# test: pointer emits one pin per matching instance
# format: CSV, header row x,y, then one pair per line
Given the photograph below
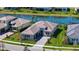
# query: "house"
x,y
20,23
7,19
73,33
3,28
39,29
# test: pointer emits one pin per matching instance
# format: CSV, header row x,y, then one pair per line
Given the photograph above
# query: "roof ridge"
x,y
73,28
46,23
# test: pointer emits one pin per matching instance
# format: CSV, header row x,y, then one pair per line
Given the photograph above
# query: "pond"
x,y
55,19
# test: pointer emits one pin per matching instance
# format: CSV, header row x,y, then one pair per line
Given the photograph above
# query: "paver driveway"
x,y
39,45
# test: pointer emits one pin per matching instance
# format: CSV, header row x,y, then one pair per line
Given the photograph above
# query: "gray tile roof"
x,y
41,24
2,25
72,29
19,22
7,18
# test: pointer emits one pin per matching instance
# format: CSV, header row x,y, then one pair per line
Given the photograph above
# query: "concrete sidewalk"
x,y
12,47
39,45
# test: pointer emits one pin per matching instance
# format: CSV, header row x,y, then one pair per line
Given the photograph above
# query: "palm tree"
x,y
18,31
33,18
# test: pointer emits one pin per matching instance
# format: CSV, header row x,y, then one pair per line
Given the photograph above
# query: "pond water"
x,y
55,19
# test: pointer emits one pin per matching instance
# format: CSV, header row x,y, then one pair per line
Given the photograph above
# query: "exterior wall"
x,y
38,35
72,40
7,27
3,30
52,32
24,36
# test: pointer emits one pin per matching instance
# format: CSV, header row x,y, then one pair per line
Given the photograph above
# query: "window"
x,y
14,28
0,21
4,22
28,35
47,33
13,23
46,28
72,39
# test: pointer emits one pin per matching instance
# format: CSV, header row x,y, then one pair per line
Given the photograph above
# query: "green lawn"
x,y
16,38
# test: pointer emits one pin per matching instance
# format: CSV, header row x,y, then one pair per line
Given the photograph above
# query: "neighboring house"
x,y
41,8
65,9
77,9
3,28
39,29
1,8
12,8
14,23
7,19
73,33
20,23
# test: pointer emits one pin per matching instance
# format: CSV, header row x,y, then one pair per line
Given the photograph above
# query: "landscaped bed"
x,y
62,48
16,38
58,37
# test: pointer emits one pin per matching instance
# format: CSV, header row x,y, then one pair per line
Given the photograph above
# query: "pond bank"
x,y
36,14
